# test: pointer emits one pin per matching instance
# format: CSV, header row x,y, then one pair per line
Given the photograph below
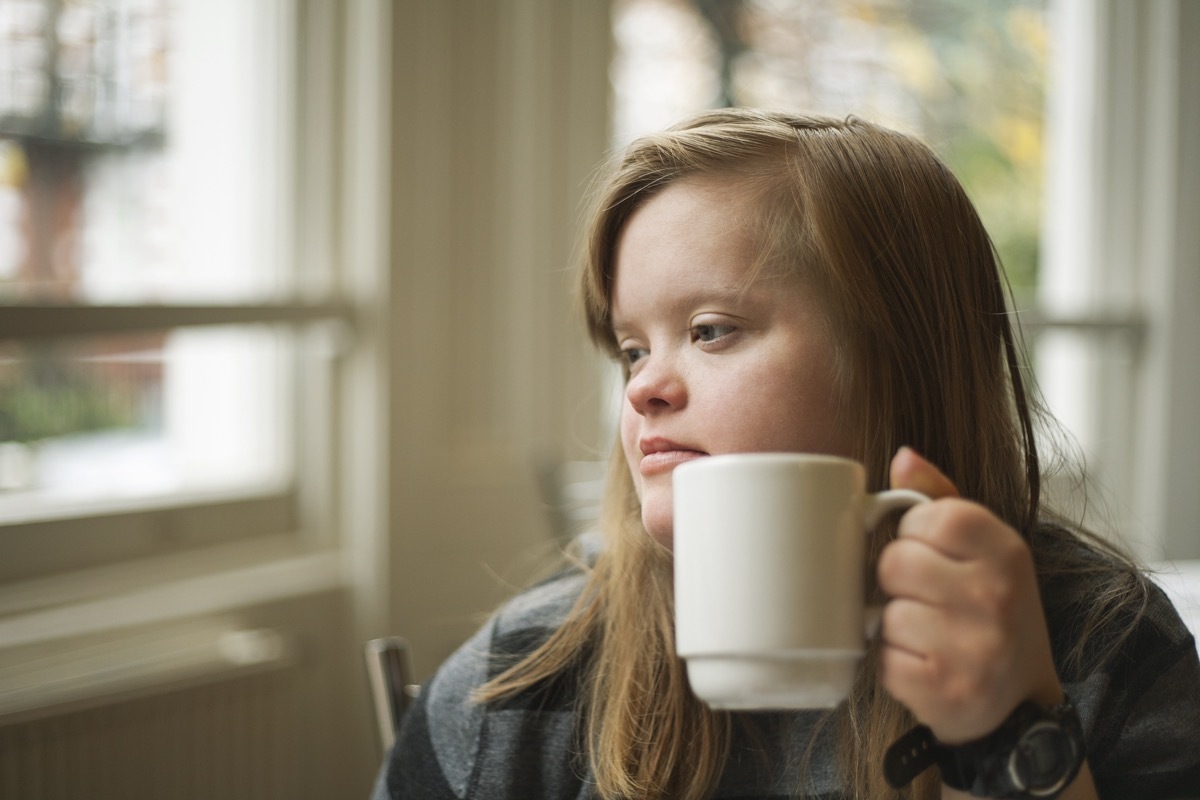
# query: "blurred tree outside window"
x,y
966,76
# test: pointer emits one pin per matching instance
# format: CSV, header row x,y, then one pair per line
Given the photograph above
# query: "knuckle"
x,y
894,617
894,563
967,516
993,595
956,521
887,568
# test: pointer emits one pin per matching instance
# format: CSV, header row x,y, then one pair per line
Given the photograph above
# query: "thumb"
x,y
911,471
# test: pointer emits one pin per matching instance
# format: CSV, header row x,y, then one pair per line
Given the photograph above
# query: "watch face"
x,y
1042,760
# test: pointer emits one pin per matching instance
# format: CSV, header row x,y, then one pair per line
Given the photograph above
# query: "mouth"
x,y
660,456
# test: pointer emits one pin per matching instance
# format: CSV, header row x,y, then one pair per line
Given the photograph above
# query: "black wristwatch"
x,y
1035,754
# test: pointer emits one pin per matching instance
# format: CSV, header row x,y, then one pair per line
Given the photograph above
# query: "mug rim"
x,y
768,457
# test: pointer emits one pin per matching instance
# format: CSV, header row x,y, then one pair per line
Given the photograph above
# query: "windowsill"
x,y
44,508
79,541
163,588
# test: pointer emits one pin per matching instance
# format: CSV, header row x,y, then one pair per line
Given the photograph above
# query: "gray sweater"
x,y
1140,712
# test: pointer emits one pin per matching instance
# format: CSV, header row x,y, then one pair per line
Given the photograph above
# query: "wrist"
x,y
1035,753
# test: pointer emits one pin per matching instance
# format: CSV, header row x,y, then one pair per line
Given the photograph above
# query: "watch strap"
x,y
909,756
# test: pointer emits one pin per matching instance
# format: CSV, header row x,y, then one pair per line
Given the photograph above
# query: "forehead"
x,y
691,214
727,198
694,239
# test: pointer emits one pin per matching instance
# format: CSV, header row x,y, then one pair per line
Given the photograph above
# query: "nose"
x,y
657,386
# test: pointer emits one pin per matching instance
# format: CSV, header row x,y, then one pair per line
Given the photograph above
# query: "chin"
x,y
659,527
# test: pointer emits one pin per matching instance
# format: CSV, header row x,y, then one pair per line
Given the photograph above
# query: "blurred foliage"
x,y
967,76
44,397
985,112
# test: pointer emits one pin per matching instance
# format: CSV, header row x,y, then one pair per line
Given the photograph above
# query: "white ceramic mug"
x,y
770,551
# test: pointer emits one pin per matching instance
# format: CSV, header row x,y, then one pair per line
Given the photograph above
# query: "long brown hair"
x,y
917,301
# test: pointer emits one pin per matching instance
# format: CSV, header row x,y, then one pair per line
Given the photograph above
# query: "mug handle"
x,y
891,500
877,506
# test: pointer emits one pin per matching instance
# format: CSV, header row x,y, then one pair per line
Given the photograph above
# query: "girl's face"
x,y
716,366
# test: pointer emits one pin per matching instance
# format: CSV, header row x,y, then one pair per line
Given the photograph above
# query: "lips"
x,y
663,455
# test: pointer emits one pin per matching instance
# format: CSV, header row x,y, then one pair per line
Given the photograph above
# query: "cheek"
x,y
800,407
823,418
629,442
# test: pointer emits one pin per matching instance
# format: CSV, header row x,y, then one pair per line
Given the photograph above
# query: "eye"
x,y
632,355
710,332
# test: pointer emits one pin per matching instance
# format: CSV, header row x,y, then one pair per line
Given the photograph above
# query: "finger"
x,y
959,530
910,471
912,568
919,684
956,693
904,674
942,636
902,671
912,626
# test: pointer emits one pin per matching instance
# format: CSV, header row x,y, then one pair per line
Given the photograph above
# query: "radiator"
x,y
208,713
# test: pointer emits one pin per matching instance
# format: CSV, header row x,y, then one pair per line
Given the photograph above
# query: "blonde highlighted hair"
x,y
917,302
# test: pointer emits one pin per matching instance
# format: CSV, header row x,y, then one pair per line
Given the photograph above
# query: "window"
x,y
966,77
1118,357
1098,267
162,337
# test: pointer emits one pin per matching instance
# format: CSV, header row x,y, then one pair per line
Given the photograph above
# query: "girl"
x,y
774,282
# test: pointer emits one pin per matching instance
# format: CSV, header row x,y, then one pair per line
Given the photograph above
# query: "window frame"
x,y
252,522
1124,168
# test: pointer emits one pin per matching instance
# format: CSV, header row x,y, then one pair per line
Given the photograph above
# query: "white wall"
x,y
499,114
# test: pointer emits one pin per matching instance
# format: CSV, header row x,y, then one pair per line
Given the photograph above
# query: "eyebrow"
x,y
698,296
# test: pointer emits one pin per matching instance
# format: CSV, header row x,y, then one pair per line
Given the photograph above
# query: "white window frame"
x,y
58,556
1123,193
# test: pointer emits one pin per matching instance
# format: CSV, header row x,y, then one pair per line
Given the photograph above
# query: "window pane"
x,y
967,77
142,150
118,418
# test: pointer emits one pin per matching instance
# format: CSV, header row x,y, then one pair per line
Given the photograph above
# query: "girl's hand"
x,y
964,635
